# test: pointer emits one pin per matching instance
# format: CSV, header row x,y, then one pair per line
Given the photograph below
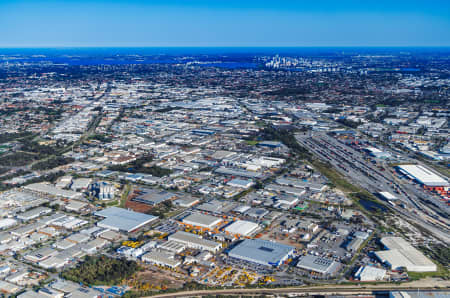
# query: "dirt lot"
x,y
282,239
138,207
160,278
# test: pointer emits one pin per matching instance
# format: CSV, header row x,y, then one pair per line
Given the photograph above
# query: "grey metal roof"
x,y
261,251
153,196
318,264
204,220
123,219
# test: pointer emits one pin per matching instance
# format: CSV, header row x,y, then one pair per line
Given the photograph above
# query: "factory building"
x,y
161,258
427,178
242,227
201,220
401,254
377,153
261,252
369,273
33,213
239,172
49,189
320,265
119,219
195,241
152,197
240,183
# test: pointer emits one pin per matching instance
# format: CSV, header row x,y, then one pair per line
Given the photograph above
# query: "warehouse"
x,y
320,265
242,227
7,223
426,177
369,273
240,183
268,162
195,241
162,258
256,212
120,219
375,152
314,187
238,172
49,189
34,213
262,252
215,206
172,246
400,254
201,220
285,189
186,202
354,244
152,197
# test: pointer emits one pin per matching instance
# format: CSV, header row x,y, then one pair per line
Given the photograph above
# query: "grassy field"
x,y
125,193
252,143
441,272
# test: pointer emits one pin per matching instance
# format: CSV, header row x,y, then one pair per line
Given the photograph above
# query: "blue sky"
x,y
67,23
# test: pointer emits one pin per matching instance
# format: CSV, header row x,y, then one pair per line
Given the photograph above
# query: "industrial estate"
x,y
138,175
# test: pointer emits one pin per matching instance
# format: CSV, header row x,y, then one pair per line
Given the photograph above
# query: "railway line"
x,y
351,163
306,291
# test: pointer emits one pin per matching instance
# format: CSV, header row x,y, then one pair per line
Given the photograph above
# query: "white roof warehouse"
x,y
402,254
423,175
120,219
202,220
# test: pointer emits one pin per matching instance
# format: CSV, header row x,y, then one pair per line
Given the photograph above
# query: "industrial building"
x,y
172,246
429,179
320,265
240,183
268,162
377,153
238,172
201,220
242,227
33,213
152,197
400,254
285,189
186,202
298,183
120,219
261,252
195,241
6,223
162,258
49,189
354,244
369,273
215,206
